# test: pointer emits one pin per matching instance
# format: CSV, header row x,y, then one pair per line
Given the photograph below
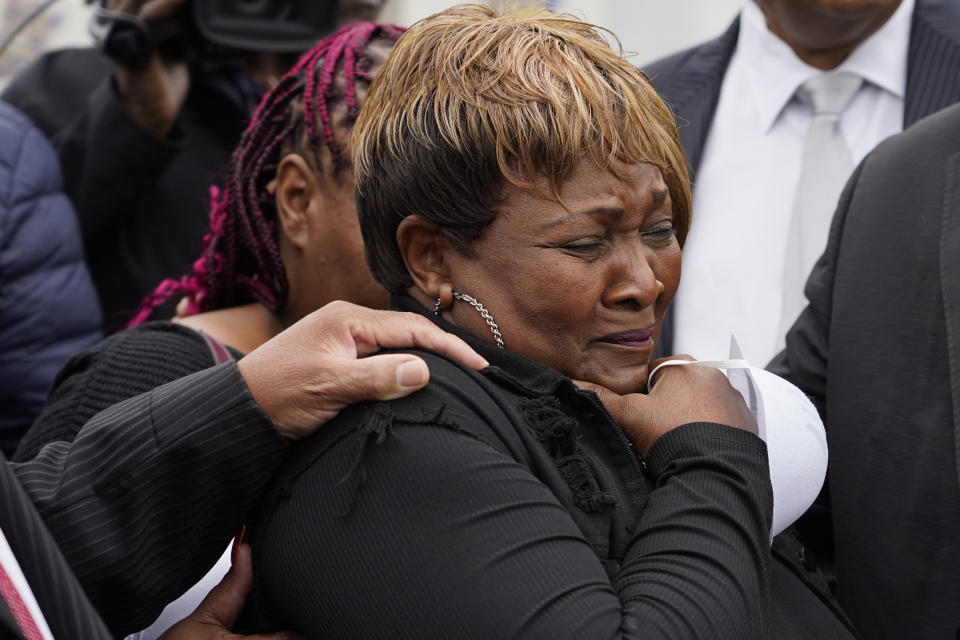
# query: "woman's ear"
x,y
425,250
295,192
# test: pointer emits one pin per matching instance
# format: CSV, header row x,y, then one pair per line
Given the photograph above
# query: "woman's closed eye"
x,y
584,247
660,234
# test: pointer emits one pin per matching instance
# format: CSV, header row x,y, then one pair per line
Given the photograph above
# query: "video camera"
x,y
215,29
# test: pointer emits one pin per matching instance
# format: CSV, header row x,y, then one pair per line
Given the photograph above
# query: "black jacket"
x,y
142,199
48,306
139,505
877,349
508,503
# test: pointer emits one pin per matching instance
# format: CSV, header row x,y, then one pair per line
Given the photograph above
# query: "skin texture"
x,y
320,243
824,32
560,282
216,615
557,281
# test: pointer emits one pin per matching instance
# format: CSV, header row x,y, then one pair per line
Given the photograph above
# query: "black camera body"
x,y
280,26
216,30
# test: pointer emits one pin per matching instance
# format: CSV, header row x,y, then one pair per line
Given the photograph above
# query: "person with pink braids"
x,y
283,241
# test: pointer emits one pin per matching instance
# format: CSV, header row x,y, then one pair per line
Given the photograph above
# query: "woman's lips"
x,y
634,338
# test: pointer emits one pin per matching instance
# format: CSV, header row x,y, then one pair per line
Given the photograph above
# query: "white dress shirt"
x,y
9,563
745,186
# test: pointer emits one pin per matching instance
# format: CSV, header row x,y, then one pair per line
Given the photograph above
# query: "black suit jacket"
x,y
65,606
139,505
690,83
878,348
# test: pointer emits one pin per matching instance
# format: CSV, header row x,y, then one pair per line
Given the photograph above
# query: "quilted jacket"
x,y
48,306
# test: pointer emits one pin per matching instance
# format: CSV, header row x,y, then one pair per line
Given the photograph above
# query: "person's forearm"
x,y
140,518
698,567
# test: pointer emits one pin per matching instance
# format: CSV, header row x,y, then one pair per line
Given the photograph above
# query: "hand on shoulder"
x,y
305,375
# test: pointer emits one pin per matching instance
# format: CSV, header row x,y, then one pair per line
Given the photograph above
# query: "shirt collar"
x,y
774,72
882,58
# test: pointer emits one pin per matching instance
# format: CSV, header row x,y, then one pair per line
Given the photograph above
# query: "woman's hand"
x,y
680,395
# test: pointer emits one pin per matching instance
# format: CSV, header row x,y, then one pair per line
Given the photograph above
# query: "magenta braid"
x,y
240,261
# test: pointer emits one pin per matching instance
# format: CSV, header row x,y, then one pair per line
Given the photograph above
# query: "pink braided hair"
x,y
240,261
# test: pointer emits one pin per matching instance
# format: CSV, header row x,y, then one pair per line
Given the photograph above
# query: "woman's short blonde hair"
x,y
470,98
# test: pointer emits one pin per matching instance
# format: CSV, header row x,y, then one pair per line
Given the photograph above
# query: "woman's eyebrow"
x,y
611,212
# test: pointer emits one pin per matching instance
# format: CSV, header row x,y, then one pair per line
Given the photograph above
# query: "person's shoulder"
x,y
243,328
926,142
457,399
71,65
28,164
56,86
159,349
18,130
675,69
159,332
123,365
942,17
12,121
455,392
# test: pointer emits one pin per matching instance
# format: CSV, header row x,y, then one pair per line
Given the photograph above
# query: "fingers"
x,y
225,601
381,377
603,393
404,330
372,330
655,372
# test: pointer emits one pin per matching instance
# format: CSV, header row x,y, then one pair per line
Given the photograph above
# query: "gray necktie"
x,y
826,167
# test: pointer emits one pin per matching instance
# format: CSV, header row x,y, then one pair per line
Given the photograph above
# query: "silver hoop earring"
x,y
473,302
437,307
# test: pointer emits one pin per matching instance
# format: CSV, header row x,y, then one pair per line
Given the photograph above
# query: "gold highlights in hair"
x,y
537,90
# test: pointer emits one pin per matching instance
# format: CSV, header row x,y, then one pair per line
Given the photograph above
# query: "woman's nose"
x,y
633,283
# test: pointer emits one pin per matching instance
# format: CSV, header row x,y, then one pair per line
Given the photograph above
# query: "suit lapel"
x,y
950,287
65,607
933,62
692,89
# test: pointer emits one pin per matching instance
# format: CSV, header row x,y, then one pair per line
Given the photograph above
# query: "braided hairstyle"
x,y
240,262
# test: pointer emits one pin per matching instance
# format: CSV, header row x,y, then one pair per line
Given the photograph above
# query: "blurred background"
x,y
648,28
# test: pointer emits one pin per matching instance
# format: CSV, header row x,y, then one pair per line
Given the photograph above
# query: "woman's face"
x,y
581,289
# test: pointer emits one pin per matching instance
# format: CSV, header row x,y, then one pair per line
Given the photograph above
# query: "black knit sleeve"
x,y
122,366
424,531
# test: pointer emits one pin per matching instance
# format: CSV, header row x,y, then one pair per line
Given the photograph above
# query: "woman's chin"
x,y
622,382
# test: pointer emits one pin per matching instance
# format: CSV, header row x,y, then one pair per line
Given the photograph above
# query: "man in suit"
x,y
878,349
743,124
131,513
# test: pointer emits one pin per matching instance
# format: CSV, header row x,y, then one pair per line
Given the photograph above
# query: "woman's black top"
x,y
508,503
